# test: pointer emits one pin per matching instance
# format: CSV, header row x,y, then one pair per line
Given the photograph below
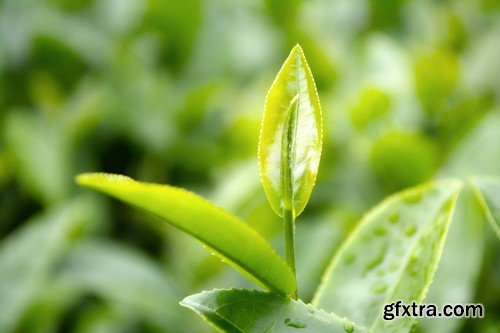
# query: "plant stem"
x,y
289,224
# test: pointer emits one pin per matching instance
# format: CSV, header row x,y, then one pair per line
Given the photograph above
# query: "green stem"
x,y
287,164
289,224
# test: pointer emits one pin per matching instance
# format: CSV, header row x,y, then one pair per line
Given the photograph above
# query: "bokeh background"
x,y
172,92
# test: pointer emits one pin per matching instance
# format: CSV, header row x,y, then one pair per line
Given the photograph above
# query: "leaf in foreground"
x,y
487,191
231,239
291,136
391,256
238,310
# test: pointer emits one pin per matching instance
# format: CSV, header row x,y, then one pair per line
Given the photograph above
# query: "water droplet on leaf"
x,y
394,218
410,230
379,288
349,259
413,198
348,328
294,323
379,231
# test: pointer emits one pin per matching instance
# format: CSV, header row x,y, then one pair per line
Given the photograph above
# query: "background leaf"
x,y
235,242
27,257
488,193
253,311
107,269
291,136
391,256
455,278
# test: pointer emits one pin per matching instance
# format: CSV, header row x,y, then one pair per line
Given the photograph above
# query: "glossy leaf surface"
x,y
291,136
237,310
487,191
392,255
227,236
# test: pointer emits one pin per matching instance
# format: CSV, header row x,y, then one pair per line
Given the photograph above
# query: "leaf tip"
x,y
297,49
82,178
90,178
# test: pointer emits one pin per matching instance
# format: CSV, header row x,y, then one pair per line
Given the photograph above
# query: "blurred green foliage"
x,y
173,92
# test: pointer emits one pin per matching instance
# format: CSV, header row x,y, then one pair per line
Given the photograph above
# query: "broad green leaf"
x,y
27,257
487,191
392,255
227,236
41,154
291,136
241,310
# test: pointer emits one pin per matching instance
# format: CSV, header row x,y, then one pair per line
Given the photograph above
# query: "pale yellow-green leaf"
x,y
291,136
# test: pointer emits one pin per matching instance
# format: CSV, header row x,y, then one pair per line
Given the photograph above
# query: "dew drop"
x,y
349,259
393,267
348,328
379,288
410,230
374,263
294,323
394,218
413,198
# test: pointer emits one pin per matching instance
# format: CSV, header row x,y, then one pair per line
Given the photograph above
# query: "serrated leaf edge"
x,y
365,219
80,179
254,291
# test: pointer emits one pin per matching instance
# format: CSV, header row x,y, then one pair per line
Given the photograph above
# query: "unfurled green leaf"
x,y
487,191
227,236
291,136
391,256
253,311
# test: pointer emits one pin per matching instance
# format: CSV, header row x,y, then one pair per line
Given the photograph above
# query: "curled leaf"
x,y
291,136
